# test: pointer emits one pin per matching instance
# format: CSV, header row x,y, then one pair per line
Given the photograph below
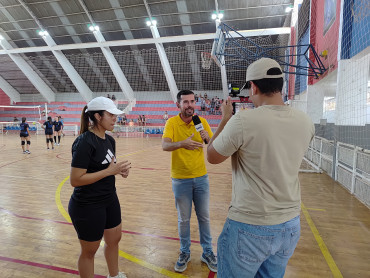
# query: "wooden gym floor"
x,y
37,239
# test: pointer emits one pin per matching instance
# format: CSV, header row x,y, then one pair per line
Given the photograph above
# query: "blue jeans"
x,y
186,192
247,251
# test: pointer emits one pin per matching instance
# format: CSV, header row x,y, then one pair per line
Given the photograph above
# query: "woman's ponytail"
x,y
84,121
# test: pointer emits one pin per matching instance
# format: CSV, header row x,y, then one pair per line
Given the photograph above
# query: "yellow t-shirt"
x,y
186,164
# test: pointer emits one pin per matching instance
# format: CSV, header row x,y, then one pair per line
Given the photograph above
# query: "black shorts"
x,y
24,135
56,130
48,132
90,221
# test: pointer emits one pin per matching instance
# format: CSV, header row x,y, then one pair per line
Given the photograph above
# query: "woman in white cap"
x,y
94,206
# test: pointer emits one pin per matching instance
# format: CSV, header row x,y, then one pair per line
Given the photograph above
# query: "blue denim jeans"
x,y
186,192
246,251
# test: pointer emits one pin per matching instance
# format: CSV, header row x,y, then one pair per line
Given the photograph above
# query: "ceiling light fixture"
x,y
152,22
218,16
43,33
93,27
288,9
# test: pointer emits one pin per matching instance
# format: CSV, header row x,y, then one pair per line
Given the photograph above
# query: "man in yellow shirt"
x,y
189,177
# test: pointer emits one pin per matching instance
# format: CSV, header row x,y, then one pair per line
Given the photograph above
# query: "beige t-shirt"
x,y
267,145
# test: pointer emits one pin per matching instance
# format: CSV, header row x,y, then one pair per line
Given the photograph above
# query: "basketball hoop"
x,y
206,60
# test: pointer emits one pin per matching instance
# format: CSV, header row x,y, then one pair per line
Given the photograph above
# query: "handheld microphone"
x,y
198,125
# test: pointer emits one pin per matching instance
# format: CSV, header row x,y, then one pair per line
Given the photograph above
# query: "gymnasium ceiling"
x,y
66,21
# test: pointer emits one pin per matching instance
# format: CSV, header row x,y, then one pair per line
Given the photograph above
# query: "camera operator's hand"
x,y
227,109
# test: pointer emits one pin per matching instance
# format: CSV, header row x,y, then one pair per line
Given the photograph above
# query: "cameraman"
x,y
266,146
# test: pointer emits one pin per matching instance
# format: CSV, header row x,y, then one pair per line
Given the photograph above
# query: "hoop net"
x,y
206,60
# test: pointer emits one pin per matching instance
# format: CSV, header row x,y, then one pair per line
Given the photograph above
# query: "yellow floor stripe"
x,y
316,209
150,266
121,253
59,202
324,250
147,265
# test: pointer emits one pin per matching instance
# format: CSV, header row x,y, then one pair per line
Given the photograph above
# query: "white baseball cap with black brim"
x,y
259,69
103,103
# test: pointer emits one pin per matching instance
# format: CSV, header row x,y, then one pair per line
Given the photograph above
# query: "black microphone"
x,y
198,125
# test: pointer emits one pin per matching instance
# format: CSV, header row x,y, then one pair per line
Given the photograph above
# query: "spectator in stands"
x,y
131,125
15,120
165,116
58,128
139,120
202,106
94,206
114,100
124,119
25,136
49,130
217,105
108,96
143,120
205,96
208,106
213,103
196,97
189,178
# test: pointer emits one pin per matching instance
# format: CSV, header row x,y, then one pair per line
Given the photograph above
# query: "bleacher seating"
x,y
154,110
71,112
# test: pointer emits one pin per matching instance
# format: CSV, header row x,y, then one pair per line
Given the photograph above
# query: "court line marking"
x,y
324,250
120,252
316,209
28,178
24,158
69,223
39,265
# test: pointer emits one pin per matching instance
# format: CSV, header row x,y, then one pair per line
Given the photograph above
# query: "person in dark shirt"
x,y
58,127
25,136
48,126
94,206
61,120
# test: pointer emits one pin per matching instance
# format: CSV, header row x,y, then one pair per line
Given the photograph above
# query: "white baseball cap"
x,y
258,69
103,103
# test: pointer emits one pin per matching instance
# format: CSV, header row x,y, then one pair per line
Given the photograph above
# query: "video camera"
x,y
234,90
244,102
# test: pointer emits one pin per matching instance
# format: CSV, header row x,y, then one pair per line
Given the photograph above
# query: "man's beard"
x,y
188,112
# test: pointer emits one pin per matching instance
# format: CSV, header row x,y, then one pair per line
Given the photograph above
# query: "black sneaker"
x,y
182,262
211,261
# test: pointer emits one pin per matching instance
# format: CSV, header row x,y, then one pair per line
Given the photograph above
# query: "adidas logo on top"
x,y
109,157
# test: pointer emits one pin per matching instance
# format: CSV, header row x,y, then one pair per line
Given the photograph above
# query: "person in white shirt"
x,y
266,145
